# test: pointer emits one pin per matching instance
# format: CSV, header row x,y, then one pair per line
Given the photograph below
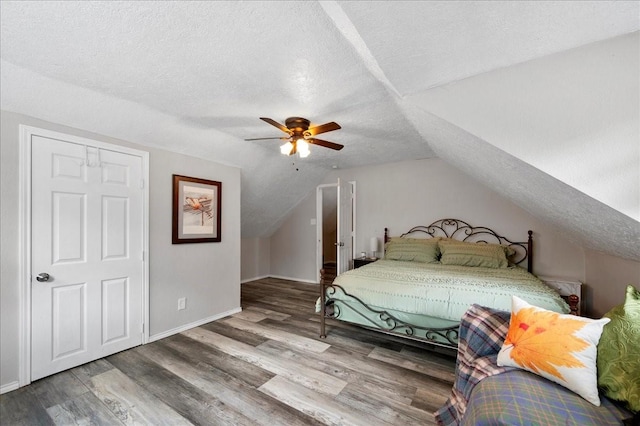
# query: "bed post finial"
x,y
574,301
530,252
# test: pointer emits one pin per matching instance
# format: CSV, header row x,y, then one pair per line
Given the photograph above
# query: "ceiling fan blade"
x,y
323,128
326,144
276,124
264,139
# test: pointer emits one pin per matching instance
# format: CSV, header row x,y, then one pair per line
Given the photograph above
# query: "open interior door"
x,y
344,241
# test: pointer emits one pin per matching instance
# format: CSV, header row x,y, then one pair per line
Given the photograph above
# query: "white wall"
x,y
9,254
255,254
405,194
293,245
208,274
402,195
607,278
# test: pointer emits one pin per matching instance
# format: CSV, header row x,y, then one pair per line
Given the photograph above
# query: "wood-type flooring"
x,y
263,366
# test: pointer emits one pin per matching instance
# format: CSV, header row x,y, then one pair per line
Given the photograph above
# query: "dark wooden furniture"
x,y
361,261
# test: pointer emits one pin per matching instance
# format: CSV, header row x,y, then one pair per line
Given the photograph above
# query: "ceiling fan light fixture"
x,y
286,148
303,148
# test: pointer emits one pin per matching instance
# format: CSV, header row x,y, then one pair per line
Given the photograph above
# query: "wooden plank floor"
x,y
263,366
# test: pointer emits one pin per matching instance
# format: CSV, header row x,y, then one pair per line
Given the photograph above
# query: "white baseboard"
x,y
293,279
9,387
192,325
254,279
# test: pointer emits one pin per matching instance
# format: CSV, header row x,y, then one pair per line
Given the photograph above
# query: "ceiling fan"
x,y
301,135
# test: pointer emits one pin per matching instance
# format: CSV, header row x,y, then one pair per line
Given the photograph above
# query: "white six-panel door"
x,y
87,236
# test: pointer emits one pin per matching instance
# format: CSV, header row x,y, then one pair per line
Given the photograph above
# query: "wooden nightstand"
x,y
566,288
361,261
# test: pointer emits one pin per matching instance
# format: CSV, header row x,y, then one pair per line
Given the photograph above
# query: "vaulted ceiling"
x,y
539,100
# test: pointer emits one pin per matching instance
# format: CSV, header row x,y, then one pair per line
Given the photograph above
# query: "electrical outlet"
x,y
182,303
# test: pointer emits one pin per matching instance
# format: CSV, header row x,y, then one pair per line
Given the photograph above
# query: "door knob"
x,y
42,277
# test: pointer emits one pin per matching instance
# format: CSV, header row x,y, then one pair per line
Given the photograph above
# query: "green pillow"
x,y
619,352
473,254
424,250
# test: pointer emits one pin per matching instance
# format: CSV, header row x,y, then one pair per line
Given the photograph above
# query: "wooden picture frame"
x,y
197,204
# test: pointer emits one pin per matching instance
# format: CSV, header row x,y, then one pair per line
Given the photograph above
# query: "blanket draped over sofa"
x,y
482,331
511,396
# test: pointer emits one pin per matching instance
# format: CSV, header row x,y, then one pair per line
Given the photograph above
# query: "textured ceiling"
x,y
586,221
194,77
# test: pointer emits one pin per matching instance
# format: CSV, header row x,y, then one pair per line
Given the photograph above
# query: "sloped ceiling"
x,y
405,80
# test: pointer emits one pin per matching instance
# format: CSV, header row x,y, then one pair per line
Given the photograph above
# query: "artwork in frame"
x,y
196,210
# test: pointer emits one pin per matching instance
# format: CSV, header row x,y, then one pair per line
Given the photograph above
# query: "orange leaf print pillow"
x,y
561,348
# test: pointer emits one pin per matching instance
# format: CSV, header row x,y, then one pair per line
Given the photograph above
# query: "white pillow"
x,y
559,347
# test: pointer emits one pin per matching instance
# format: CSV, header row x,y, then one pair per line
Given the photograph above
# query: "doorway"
x,y
329,225
335,213
84,232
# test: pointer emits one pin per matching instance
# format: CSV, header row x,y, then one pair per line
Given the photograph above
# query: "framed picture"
x,y
196,210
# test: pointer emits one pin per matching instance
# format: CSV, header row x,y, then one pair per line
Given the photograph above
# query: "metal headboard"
x,y
460,230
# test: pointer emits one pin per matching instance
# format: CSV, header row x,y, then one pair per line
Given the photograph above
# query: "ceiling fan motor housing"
x,y
298,126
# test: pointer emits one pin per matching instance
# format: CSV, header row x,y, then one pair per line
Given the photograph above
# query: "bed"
x,y
411,293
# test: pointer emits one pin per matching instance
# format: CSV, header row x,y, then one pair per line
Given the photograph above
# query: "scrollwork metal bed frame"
x,y
387,322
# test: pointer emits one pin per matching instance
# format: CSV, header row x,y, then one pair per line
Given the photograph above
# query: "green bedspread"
x,y
445,291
